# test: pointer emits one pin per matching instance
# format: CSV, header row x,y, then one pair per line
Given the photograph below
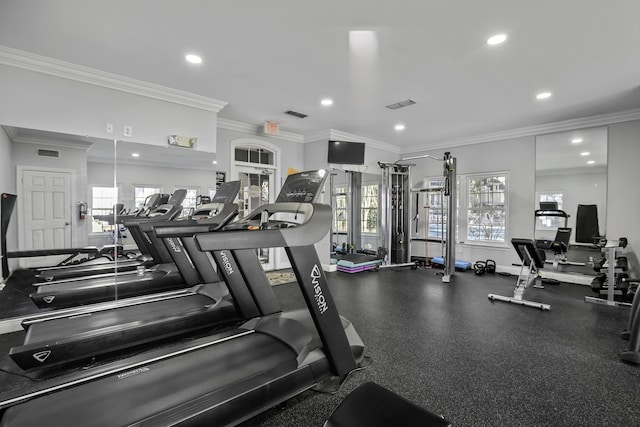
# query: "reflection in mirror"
x,y
52,212
355,201
571,171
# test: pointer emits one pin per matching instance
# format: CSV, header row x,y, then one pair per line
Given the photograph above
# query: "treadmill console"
x,y
227,192
302,187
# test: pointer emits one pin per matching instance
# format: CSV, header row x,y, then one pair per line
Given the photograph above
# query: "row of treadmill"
x,y
189,333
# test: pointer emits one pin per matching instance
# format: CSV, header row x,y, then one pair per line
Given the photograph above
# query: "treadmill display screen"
x,y
302,187
227,192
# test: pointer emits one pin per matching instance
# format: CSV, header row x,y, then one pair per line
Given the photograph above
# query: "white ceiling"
x,y
266,57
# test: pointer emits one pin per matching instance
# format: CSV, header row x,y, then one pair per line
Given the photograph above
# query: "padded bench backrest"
x,y
526,250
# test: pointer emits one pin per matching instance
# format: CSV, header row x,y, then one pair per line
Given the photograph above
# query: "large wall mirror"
x,y
355,202
571,172
92,166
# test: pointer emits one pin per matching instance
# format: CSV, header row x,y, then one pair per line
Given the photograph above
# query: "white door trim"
x,y
20,190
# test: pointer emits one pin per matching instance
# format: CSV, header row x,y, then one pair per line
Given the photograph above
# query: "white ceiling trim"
x,y
15,137
66,70
585,122
333,134
254,130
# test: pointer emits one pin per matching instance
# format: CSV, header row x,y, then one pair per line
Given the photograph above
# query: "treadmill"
x,y
162,212
220,379
65,336
159,278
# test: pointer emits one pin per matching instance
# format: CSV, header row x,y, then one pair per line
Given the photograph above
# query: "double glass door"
x,y
256,189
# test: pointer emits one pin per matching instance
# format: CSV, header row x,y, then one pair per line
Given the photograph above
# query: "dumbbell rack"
x,y
610,251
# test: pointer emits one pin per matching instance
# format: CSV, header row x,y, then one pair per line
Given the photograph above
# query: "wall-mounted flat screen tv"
x,y
346,153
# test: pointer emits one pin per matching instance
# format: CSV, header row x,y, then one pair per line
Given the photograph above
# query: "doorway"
x,y
44,211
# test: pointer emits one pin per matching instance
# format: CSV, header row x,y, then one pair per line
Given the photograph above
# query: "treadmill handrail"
x,y
316,224
188,228
547,212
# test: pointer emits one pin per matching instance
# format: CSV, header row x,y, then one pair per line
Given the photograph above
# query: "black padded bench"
x,y
372,405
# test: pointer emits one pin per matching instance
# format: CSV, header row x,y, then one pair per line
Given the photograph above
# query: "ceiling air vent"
x,y
401,104
296,114
48,153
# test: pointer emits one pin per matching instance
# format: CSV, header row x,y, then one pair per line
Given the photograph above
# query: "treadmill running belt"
x,y
168,388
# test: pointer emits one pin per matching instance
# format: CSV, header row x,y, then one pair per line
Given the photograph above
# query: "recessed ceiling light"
x,y
576,140
590,162
194,59
135,155
497,39
326,102
585,153
399,126
215,162
543,95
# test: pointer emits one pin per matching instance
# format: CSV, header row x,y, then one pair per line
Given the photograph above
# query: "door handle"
x,y
67,223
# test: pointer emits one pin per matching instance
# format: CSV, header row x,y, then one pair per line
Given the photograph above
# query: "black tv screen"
x,y
346,153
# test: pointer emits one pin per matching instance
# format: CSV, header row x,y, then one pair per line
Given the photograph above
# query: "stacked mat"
x,y
355,263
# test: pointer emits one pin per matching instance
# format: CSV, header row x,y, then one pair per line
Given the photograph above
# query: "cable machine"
x,y
396,208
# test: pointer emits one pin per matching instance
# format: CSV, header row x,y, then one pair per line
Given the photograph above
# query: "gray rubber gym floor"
x,y
449,349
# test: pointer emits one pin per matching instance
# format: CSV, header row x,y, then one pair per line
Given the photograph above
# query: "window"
x,y
549,222
437,210
369,210
254,155
103,199
486,208
189,201
340,215
140,194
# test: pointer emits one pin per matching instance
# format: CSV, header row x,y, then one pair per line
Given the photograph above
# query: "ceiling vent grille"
x,y
48,153
401,104
296,114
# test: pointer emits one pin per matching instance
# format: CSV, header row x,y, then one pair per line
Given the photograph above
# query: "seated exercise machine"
x,y
227,377
560,244
532,261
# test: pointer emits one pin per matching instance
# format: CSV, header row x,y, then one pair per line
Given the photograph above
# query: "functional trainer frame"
x,y
449,173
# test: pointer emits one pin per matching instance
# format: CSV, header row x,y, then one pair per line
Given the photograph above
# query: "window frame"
x,y
464,225
156,189
106,229
375,199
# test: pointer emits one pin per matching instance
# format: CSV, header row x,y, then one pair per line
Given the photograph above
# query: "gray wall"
x,y
40,101
623,202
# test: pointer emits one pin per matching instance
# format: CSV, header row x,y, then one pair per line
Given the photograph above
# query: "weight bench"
x,y
532,262
372,405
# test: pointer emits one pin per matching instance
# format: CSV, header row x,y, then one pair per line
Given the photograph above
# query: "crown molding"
x,y
53,67
254,130
338,135
566,125
59,143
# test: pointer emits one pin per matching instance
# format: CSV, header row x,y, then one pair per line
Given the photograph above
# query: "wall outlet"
x,y
128,131
109,127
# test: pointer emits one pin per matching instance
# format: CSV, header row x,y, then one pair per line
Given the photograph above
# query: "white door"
x,y
256,189
46,212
